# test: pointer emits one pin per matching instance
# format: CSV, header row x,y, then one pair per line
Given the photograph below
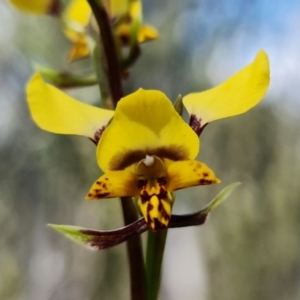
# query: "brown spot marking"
x,y
104,185
196,125
149,207
160,205
165,215
205,181
158,225
162,181
129,157
162,193
98,182
145,196
205,174
90,195
102,195
141,183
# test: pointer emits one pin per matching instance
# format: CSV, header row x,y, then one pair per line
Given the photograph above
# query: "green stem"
x,y
135,253
155,251
134,245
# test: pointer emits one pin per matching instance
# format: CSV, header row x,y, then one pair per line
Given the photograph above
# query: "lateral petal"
x,y
238,94
57,112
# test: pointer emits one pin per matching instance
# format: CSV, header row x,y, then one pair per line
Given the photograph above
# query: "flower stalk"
x,y
110,54
134,245
155,250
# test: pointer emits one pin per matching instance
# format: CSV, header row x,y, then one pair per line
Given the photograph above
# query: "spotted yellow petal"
x,y
145,122
147,33
57,112
235,96
39,7
183,174
114,184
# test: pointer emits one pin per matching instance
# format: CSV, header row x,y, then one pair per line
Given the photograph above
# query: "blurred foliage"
x,y
250,245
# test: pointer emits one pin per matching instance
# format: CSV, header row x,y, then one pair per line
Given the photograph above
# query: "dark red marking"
x,y
149,207
162,181
102,195
172,152
205,181
141,183
158,225
98,134
196,125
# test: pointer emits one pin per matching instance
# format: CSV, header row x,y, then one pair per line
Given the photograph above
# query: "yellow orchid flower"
x,y
122,14
76,18
148,152
145,148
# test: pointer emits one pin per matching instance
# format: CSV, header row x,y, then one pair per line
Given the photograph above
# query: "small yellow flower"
x,y
145,148
124,16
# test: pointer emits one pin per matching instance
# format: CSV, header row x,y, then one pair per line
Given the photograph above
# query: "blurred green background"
x,y
250,247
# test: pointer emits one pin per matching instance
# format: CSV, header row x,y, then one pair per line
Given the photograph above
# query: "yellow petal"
x,y
147,33
57,112
117,8
80,49
183,174
114,184
39,7
123,32
77,13
235,96
145,122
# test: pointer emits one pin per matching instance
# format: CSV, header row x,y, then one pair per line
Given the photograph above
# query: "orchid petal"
x,y
114,184
57,112
235,96
183,174
145,123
